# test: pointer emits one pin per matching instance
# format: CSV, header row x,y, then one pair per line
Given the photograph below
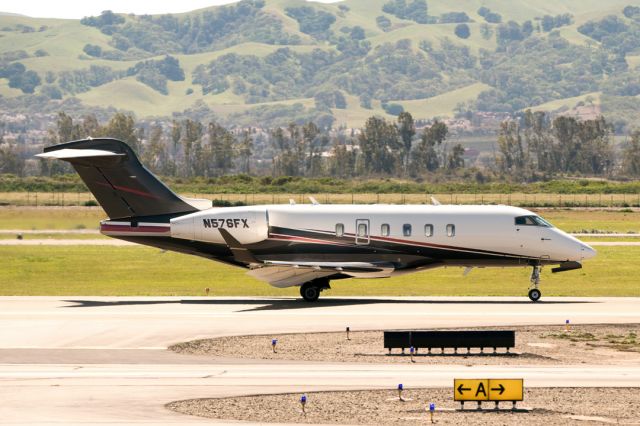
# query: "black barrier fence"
x,y
419,339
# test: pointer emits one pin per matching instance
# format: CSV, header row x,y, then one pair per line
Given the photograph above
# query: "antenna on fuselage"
x,y
313,201
435,202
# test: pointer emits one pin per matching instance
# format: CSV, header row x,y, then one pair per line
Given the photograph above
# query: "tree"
x,y
407,129
426,156
392,108
493,18
154,155
122,127
90,126
285,161
10,160
245,152
357,33
463,31
176,133
513,159
383,23
486,31
454,18
455,159
380,146
343,161
313,163
192,146
92,50
631,156
65,131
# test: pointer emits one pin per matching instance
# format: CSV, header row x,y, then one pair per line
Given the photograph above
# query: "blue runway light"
x,y
411,349
432,407
303,402
400,387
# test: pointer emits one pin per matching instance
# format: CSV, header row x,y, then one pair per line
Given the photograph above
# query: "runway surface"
x,y
79,360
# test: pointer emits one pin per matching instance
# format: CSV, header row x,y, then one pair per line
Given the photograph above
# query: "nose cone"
x,y
586,251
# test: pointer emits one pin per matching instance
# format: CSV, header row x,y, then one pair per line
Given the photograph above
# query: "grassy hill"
x,y
372,57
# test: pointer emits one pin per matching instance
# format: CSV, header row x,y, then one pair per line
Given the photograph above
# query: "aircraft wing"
x,y
287,274
290,273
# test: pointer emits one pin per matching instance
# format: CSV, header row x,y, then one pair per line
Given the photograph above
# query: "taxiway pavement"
x,y
82,360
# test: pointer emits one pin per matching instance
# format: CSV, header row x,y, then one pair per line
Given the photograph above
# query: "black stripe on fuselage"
x,y
346,243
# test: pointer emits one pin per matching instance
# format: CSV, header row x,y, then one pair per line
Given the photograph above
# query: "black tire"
x,y
310,292
535,294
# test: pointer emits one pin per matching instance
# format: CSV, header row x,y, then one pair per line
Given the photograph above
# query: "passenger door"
x,y
362,231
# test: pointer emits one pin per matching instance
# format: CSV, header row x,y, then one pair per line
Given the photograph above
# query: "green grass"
x,y
50,236
7,91
633,61
136,271
444,104
567,102
50,218
608,221
354,114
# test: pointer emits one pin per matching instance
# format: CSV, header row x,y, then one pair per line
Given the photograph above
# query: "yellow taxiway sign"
x,y
488,389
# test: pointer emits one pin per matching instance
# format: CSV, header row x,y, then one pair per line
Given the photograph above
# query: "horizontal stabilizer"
x,y
65,154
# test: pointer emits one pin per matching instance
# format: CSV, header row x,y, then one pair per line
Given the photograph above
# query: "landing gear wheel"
x,y
534,294
534,291
310,292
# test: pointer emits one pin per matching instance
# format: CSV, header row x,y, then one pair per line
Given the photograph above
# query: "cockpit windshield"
x,y
532,221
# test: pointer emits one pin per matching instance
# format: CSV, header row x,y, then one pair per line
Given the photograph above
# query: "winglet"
x,y
240,252
434,201
313,201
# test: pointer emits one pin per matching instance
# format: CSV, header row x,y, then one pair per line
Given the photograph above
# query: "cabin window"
x,y
532,221
428,230
451,230
385,230
406,230
339,230
362,230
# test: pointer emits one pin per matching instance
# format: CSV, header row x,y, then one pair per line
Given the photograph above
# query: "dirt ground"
x,y
540,345
556,406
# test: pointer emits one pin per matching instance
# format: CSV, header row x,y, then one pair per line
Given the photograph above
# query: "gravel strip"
x,y
553,406
539,345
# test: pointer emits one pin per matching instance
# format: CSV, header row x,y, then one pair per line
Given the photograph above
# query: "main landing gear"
x,y
310,291
534,291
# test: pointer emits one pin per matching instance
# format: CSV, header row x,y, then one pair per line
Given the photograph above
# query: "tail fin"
x,y
121,184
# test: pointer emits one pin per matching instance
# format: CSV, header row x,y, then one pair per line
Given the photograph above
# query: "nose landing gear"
x,y
534,291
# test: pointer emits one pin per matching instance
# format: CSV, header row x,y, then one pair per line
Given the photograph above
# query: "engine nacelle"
x,y
247,225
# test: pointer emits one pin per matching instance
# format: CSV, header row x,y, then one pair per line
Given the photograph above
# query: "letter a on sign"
x,y
471,390
481,390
